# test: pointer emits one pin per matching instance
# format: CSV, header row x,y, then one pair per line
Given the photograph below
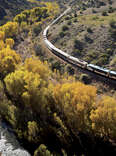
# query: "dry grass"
x,y
97,19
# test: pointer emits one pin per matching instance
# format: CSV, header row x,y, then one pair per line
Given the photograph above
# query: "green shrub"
x,y
76,53
103,59
75,15
89,30
110,2
104,13
94,11
70,70
61,34
112,24
78,45
65,28
38,50
75,20
85,78
67,18
109,51
88,39
110,10
91,55
69,22
95,18
37,29
112,33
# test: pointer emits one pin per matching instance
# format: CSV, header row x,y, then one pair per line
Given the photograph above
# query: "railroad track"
x,y
109,74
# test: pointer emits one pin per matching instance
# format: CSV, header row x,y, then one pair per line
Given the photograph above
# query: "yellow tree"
x,y
103,117
53,8
76,100
2,44
36,66
9,42
10,29
2,35
29,88
8,60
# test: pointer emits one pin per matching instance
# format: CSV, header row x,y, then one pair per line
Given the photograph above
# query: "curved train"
x,y
75,61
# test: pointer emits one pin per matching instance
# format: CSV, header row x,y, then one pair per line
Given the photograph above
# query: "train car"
x,y
78,62
112,74
48,44
45,32
99,70
60,53
55,50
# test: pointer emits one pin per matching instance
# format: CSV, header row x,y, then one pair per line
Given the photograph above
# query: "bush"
x,y
67,18
112,24
94,11
113,62
95,18
57,65
76,53
75,15
42,151
78,45
89,30
75,20
110,2
65,28
110,10
103,59
113,33
70,70
36,29
38,50
88,39
69,22
91,55
104,13
61,34
85,78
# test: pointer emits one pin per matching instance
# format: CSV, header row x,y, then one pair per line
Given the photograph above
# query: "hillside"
x,y
89,34
9,8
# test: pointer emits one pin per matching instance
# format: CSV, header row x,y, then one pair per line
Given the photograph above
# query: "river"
x,y
9,146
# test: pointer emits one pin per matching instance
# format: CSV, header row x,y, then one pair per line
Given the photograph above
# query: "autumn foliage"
x,y
45,106
8,60
104,117
10,29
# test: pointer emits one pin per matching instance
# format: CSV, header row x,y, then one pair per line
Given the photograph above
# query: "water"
x,y
9,146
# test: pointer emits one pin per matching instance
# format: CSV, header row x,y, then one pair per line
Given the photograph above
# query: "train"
x,y
73,60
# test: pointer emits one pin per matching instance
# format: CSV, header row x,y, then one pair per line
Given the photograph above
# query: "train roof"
x,y
98,67
113,72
